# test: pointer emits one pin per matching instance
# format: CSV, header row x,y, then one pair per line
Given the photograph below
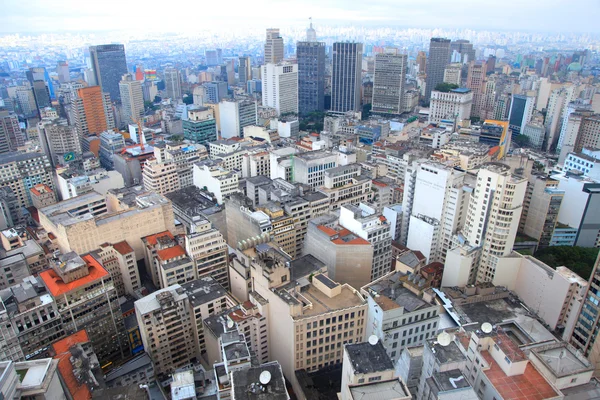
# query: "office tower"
x,y
454,105
11,136
86,297
59,140
476,82
201,126
110,143
434,211
540,208
244,71
109,64
213,57
309,168
570,139
388,83
421,62
273,47
24,171
91,112
26,101
138,70
346,77
132,99
40,74
493,217
439,57
234,115
311,76
214,92
491,64
461,51
172,78
452,74
62,70
311,34
280,87
41,94
521,109
535,132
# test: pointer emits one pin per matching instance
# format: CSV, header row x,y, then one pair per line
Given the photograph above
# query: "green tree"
x,y
521,140
188,98
445,87
578,259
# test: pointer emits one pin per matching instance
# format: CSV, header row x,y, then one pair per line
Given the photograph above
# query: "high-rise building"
x,y
132,99
476,82
110,143
439,57
58,139
62,70
109,64
160,177
346,79
201,126
421,62
172,78
521,110
234,115
24,171
40,74
11,136
388,83
452,74
280,87
91,112
214,92
213,57
311,34
273,47
244,70
462,51
26,101
311,76
41,94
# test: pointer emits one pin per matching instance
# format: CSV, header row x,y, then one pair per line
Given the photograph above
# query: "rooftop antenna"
x,y
265,377
486,327
373,339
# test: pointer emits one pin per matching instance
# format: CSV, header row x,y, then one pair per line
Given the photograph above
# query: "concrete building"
x,y
280,87
81,287
216,180
462,51
23,171
273,47
81,232
455,105
11,136
160,177
346,78
91,111
311,76
388,83
58,139
42,196
207,248
397,316
588,162
110,143
109,65
521,110
172,78
536,132
452,74
439,57
244,70
309,168
541,206
132,99
346,184
476,81
119,260
234,115
201,126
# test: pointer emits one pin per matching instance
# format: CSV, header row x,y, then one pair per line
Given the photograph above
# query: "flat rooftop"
x,y
530,385
203,290
304,266
392,389
446,354
367,358
245,381
321,303
33,373
562,359
449,380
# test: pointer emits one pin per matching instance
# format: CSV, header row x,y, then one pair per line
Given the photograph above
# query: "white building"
x,y
132,98
234,115
454,105
588,162
280,87
220,182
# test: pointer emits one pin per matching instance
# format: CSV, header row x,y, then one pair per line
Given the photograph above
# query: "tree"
x,y
445,87
578,259
148,105
521,140
188,98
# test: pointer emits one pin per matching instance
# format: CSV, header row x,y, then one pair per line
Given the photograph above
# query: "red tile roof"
x,y
36,189
65,367
123,247
327,230
529,386
151,240
494,150
56,286
380,184
170,253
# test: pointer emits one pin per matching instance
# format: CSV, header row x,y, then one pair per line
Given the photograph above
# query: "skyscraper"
x,y
346,77
476,82
132,98
109,64
280,87
62,69
388,83
439,55
422,62
521,109
244,71
311,76
173,83
462,51
273,46
311,34
91,112
11,136
41,94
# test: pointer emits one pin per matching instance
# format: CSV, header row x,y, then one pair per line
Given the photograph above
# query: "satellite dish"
x,y
229,323
486,327
444,339
265,377
373,339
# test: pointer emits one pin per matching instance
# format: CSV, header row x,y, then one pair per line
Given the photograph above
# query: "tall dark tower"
x,y
346,77
311,76
109,64
439,55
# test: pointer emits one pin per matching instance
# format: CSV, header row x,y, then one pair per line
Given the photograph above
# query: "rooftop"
x,y
446,354
389,293
367,358
246,383
392,389
304,266
562,359
56,286
321,303
203,290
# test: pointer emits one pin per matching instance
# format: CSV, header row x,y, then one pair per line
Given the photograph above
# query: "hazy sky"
x,y
195,15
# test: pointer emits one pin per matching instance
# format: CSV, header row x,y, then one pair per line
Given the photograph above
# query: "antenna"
x,y
486,327
444,339
265,377
373,339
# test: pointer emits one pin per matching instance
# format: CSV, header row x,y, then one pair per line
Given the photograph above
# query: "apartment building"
x,y
22,171
160,177
540,209
119,260
215,179
346,184
207,248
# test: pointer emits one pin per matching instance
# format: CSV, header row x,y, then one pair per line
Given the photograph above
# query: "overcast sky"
x,y
191,15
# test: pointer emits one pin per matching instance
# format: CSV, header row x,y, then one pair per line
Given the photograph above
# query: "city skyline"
x,y
511,15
